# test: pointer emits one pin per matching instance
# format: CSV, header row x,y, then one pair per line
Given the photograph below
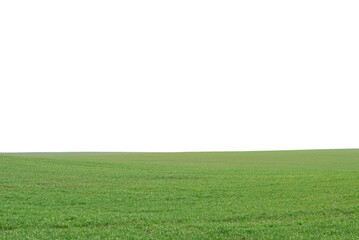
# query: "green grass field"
x,y
311,194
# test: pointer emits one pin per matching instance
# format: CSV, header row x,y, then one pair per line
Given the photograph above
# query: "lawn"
x,y
312,194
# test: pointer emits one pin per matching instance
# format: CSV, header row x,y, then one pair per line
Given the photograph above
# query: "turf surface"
x,y
220,195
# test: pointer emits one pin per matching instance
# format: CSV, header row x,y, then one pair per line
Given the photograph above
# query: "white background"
x,y
178,75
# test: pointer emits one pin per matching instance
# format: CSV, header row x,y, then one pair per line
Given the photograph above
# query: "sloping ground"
x,y
220,195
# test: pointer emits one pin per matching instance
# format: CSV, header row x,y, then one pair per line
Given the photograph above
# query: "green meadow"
x,y
310,194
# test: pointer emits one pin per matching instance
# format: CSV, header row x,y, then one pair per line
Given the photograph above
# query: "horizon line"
x,y
214,151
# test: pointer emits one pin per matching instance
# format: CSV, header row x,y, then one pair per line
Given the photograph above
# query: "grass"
x,y
310,194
